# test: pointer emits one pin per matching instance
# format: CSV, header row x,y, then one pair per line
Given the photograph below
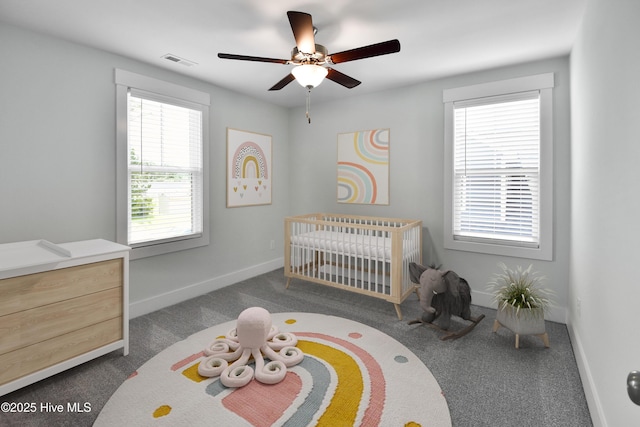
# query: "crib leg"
x,y
398,311
288,281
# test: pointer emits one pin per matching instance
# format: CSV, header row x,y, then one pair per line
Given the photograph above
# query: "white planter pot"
x,y
526,322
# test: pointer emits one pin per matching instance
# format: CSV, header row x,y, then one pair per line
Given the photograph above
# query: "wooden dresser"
x,y
60,306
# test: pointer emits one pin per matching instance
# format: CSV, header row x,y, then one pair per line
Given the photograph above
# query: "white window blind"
x,y
165,169
496,169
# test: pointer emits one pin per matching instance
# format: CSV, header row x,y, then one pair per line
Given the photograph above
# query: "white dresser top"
x,y
38,255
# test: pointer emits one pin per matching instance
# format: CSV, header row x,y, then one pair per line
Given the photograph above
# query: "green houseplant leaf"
x,y
520,291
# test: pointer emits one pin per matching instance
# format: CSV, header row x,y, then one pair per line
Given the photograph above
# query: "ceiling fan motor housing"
x,y
318,57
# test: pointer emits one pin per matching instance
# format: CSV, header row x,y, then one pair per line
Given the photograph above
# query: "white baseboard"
x,y
142,307
590,390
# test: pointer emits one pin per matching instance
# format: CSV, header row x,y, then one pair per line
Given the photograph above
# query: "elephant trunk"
x,y
425,301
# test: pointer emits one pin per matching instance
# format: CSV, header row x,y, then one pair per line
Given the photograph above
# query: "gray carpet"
x,y
486,381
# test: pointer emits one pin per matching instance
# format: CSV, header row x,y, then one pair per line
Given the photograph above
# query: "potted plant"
x,y
522,302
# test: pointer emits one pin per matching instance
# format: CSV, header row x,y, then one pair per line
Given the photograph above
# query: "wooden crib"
x,y
367,255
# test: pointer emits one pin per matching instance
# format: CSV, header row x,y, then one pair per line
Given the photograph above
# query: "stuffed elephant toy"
x,y
442,294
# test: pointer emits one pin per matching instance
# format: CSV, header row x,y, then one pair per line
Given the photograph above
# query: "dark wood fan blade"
x,y
384,48
252,58
342,79
302,27
282,83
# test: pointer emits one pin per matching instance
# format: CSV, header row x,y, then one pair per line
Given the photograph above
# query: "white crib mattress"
x,y
349,244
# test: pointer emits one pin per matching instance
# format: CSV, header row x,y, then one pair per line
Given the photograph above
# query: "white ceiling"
x,y
438,37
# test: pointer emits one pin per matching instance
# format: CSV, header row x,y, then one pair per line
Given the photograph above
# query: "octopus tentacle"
x,y
238,374
257,357
212,366
290,356
270,373
221,345
243,359
272,332
237,377
230,357
232,334
283,339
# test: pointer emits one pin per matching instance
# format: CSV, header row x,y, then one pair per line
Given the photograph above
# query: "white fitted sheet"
x,y
350,244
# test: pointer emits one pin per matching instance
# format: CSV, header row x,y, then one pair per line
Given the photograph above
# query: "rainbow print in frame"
x,y
363,167
248,168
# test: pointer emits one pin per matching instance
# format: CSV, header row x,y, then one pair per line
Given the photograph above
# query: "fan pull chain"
x,y
308,104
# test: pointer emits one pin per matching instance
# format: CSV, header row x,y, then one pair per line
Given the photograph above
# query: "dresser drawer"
x,y
30,359
28,327
39,289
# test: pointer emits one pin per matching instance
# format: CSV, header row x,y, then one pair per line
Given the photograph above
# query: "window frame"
x,y
543,83
126,81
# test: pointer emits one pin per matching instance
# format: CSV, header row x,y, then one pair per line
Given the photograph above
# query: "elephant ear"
x,y
453,282
415,271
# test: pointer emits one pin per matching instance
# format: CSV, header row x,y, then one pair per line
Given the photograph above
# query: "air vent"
x,y
178,60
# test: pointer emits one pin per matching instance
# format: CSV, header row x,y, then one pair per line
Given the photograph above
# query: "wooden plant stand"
x,y
543,336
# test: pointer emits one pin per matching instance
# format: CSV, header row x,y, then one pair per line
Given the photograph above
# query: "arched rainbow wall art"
x,y
249,162
248,168
363,167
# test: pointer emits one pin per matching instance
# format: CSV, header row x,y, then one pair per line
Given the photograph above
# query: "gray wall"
x,y
415,116
605,207
57,166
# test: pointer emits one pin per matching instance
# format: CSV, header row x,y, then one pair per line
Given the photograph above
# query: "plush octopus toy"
x,y
255,336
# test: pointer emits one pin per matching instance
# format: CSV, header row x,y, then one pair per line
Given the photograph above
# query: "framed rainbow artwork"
x,y
248,168
363,167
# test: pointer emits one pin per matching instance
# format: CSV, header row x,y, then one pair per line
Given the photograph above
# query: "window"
x,y
498,183
162,165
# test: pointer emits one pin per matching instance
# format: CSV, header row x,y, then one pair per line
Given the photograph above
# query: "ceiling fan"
x,y
311,60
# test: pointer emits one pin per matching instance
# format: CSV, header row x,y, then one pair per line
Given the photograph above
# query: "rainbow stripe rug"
x,y
351,375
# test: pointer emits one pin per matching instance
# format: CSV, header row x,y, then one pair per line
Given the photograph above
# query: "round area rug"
x,y
351,375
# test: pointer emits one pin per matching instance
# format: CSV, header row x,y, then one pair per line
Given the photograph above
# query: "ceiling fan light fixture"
x,y
309,75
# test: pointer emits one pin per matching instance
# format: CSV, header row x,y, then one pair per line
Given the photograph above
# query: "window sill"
x,y
169,247
543,253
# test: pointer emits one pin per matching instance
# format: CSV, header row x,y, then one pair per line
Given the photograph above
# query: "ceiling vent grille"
x,y
178,60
